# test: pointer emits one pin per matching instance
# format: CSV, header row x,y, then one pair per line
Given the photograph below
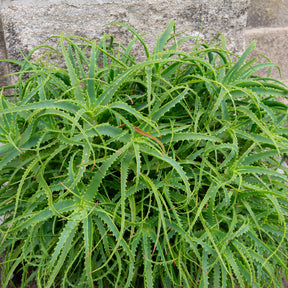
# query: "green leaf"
x,y
148,274
160,112
261,171
135,34
162,40
88,240
176,137
92,188
91,81
233,73
173,164
75,81
62,249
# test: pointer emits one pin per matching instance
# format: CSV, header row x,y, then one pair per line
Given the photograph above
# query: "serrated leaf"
x,y
148,274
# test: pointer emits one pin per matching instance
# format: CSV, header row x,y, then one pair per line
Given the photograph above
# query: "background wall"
x,y
27,23
3,66
267,22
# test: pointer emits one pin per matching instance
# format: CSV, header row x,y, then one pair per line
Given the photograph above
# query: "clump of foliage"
x,y
161,173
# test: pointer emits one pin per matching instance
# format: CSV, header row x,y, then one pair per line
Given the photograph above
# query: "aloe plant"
x,y
162,173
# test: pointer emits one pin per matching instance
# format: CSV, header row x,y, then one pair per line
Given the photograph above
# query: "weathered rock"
x,y
267,22
4,69
267,13
273,43
27,24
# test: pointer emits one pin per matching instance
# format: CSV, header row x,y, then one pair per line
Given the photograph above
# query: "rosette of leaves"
x,y
163,173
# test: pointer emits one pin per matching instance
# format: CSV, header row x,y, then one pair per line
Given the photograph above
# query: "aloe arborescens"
x,y
161,173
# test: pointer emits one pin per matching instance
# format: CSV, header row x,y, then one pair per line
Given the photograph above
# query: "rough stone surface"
x,y
267,22
267,13
27,26
3,66
273,43
7,3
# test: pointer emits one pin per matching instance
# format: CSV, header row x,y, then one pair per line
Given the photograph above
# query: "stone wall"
x,y
27,23
3,55
267,22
